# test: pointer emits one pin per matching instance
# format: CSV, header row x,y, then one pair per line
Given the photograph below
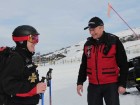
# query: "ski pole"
x,y
42,95
50,93
49,77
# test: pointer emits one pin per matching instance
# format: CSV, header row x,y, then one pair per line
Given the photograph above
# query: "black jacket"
x,y
121,57
17,78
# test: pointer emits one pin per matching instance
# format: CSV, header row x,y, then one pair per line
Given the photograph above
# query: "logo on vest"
x,y
32,78
89,51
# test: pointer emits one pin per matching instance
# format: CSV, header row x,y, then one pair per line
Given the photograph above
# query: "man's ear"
x,y
102,27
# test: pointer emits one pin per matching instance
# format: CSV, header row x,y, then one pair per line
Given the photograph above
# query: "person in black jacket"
x,y
104,62
20,80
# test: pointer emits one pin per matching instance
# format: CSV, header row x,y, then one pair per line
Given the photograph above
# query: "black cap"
x,y
94,22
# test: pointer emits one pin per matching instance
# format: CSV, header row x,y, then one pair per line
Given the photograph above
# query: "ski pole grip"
x,y
43,79
48,76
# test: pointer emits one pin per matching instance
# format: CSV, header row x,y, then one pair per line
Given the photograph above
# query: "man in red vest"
x,y
104,62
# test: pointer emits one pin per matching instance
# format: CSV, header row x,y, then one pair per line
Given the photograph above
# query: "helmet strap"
x,y
22,44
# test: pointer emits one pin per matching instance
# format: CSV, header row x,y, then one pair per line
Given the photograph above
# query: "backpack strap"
x,y
2,48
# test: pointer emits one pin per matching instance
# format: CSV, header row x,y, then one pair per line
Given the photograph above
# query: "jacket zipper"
x,y
96,62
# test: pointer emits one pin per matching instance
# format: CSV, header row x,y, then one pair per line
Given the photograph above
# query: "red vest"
x,y
101,69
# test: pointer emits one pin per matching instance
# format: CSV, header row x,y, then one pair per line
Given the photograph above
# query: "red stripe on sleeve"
x,y
29,94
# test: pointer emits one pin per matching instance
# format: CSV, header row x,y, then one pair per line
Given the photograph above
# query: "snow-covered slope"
x,y
64,76
74,52
127,32
132,47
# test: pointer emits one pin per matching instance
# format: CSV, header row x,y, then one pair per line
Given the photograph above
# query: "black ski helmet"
x,y
21,33
24,30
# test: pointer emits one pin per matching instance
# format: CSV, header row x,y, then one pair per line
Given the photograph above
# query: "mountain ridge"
x,y
130,41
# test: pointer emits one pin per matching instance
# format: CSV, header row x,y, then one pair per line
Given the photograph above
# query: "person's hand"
x,y
41,87
79,89
121,90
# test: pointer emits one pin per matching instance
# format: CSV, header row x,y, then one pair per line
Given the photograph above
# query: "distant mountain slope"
x,y
130,41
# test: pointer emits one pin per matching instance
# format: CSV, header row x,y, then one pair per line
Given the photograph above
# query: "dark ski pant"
x,y
109,92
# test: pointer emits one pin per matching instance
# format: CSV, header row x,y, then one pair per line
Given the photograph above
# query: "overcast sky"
x,y
61,22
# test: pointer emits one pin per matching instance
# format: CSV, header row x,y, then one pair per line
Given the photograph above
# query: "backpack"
x,y
5,54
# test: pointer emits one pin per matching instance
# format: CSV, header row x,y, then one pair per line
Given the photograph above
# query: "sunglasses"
x,y
31,38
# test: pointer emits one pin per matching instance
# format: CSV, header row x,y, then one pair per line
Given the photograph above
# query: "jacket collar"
x,y
24,52
102,39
